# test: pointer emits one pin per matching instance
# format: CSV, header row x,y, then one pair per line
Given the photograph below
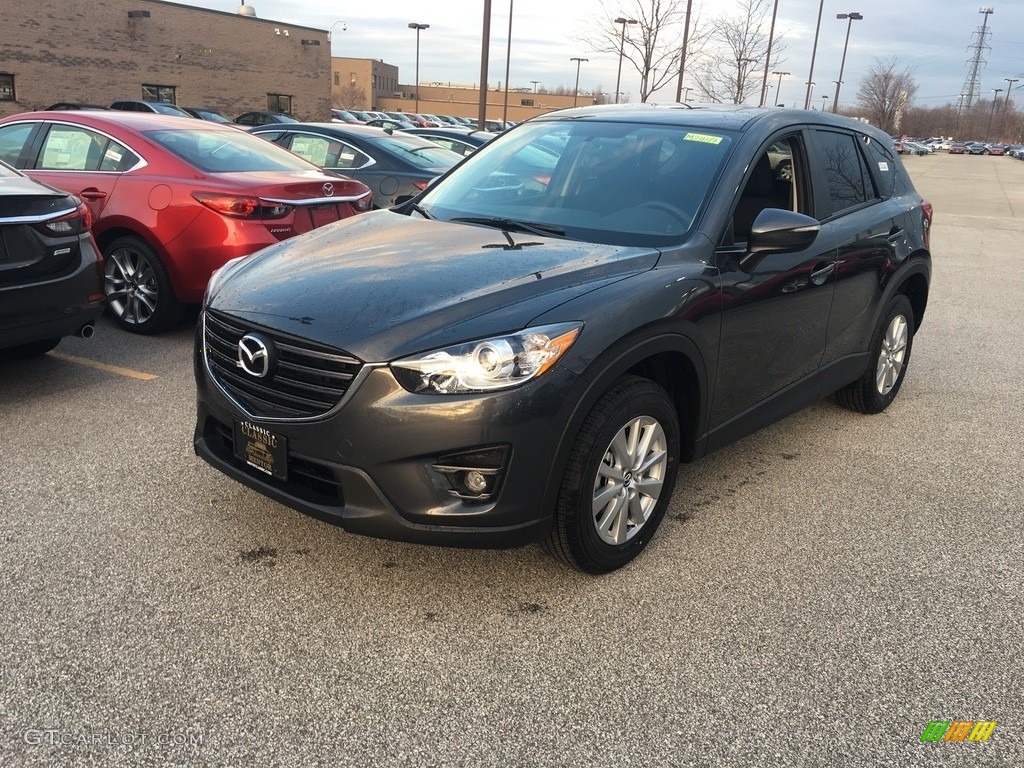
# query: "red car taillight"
x,y
241,206
74,223
421,184
926,215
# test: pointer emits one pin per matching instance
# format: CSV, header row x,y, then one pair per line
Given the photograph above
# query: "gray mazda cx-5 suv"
x,y
528,349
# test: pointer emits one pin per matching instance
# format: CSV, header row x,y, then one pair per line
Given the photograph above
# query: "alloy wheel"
x,y
629,480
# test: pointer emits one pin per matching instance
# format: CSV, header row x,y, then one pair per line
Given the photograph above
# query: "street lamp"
x,y
1011,81
824,99
778,88
622,47
576,90
768,56
814,53
418,27
535,84
850,18
991,114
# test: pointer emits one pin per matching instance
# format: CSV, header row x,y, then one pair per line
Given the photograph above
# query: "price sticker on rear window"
x,y
703,138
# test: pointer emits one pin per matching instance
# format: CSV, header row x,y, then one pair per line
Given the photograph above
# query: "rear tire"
x,y
139,293
890,355
619,478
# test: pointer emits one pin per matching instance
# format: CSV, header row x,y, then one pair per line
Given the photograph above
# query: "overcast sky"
x,y
932,36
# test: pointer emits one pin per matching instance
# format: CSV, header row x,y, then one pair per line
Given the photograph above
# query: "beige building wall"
x,y
465,102
360,83
93,51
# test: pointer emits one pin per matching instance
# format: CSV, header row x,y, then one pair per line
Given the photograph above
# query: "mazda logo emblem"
x,y
328,189
254,355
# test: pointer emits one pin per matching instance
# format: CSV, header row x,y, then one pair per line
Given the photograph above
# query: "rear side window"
x,y
328,153
884,165
849,183
12,141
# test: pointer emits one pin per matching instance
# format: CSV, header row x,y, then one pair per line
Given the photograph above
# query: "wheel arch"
x,y
669,359
111,233
915,287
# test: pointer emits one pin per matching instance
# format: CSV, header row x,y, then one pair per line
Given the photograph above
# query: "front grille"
x,y
308,380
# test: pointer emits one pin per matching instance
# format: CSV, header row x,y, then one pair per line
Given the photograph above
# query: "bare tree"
x,y
738,47
351,96
651,46
886,93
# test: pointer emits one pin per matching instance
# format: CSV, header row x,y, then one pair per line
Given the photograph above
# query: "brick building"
x,y
99,51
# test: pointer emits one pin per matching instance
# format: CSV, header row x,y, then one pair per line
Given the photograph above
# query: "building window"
x,y
278,102
164,93
7,88
526,102
337,79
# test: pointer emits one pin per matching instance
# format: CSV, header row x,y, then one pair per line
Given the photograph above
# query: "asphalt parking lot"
x,y
818,594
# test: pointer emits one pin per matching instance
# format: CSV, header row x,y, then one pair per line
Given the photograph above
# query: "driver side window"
x,y
773,182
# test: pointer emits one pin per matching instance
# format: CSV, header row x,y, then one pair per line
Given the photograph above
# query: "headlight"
x,y
489,364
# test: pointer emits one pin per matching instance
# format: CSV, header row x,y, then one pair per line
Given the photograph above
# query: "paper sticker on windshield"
x,y
883,166
703,138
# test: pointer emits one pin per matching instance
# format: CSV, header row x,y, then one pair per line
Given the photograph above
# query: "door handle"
x,y
821,273
92,194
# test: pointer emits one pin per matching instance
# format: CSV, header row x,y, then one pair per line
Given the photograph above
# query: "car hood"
x,y
384,285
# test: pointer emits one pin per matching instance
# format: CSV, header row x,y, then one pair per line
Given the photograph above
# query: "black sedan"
x,y
518,356
393,165
51,272
464,141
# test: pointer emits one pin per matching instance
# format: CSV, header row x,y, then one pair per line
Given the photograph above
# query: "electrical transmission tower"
x,y
972,86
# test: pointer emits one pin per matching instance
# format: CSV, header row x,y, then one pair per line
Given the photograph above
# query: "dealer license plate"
x,y
260,448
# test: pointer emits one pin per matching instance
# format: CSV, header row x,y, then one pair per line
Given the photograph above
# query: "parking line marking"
x,y
127,372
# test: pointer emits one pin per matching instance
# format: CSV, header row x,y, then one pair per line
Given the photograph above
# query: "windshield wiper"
x,y
534,228
419,210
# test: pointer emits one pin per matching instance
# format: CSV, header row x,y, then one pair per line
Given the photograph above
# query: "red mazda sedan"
x,y
173,199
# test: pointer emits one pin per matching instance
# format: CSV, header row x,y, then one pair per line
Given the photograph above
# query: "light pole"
x,y
850,18
778,88
535,84
741,78
1011,81
682,55
622,47
992,112
418,27
686,94
814,53
576,90
768,56
824,100
508,62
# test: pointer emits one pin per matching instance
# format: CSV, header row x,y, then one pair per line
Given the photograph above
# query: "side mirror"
x,y
777,231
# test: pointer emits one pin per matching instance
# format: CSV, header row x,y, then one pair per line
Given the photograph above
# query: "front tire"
x,y
139,293
619,478
890,355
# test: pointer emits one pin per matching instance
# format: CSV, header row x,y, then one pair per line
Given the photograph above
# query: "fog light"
x,y
474,481
474,475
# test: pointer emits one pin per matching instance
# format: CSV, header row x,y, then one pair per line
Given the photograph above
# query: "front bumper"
x,y
371,466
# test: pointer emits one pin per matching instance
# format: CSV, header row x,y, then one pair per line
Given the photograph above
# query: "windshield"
x,y
606,182
218,150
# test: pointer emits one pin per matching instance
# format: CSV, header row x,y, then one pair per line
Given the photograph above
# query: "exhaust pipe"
x,y
87,331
